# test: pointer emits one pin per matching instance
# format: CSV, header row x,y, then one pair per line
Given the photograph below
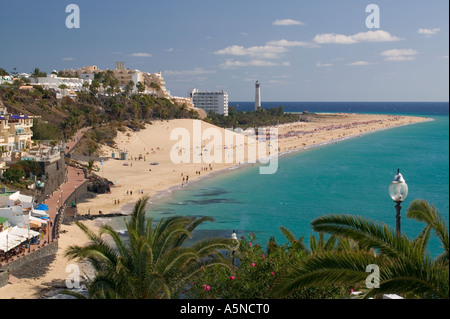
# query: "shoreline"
x,y
56,271
168,192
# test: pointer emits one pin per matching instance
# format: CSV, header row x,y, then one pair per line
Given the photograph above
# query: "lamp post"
x,y
398,191
29,241
236,240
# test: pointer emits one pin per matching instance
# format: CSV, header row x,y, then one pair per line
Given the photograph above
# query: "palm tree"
x,y
316,246
90,166
63,88
404,265
140,87
37,73
85,86
294,243
94,87
154,262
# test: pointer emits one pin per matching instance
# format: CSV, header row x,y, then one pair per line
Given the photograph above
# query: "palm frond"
x,y
195,222
326,269
365,232
422,211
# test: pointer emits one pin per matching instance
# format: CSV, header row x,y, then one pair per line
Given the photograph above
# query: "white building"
x,y
53,82
257,95
16,208
216,102
6,79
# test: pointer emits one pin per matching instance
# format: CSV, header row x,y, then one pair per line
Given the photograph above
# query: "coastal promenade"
x,y
55,202
74,178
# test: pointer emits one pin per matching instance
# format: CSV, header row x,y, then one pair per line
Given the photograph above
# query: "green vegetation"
x,y
60,119
45,131
258,271
62,74
155,261
405,266
259,118
38,74
155,86
15,175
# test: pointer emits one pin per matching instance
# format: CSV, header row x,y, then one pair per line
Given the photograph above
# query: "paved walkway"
x,y
75,177
70,144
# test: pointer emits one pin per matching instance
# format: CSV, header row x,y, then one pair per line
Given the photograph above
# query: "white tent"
x,y
39,213
13,237
8,242
42,221
23,232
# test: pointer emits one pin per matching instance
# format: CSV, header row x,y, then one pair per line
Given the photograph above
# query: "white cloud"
x,y
284,22
360,63
67,59
429,32
255,62
141,54
399,54
195,71
262,52
369,36
287,43
323,65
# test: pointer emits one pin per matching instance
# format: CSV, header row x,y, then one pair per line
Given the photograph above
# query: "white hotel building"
x,y
216,102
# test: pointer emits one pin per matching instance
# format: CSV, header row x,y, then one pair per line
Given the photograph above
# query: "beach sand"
x,y
140,178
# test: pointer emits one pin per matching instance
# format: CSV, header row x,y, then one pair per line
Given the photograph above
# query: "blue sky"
x,y
298,50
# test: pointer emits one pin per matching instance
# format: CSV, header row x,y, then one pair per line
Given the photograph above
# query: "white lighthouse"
x,y
257,96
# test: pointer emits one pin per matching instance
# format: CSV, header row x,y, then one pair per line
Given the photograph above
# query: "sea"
x,y
348,177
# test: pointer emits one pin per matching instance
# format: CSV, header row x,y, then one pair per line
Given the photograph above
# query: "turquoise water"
x,y
350,177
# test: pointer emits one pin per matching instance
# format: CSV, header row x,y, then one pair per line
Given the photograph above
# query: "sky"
x,y
300,50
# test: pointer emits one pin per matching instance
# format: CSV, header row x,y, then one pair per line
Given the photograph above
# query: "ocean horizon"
x,y
409,108
348,177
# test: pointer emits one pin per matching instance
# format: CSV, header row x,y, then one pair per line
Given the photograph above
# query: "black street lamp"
x,y
398,191
236,241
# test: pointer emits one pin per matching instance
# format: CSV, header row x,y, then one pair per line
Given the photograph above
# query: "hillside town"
x,y
41,186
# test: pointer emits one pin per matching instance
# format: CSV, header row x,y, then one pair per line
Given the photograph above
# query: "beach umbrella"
x,y
38,213
42,207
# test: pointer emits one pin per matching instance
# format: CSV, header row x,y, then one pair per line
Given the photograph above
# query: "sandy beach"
x,y
154,145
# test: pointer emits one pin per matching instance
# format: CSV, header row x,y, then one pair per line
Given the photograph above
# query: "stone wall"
x,y
4,277
55,173
44,251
